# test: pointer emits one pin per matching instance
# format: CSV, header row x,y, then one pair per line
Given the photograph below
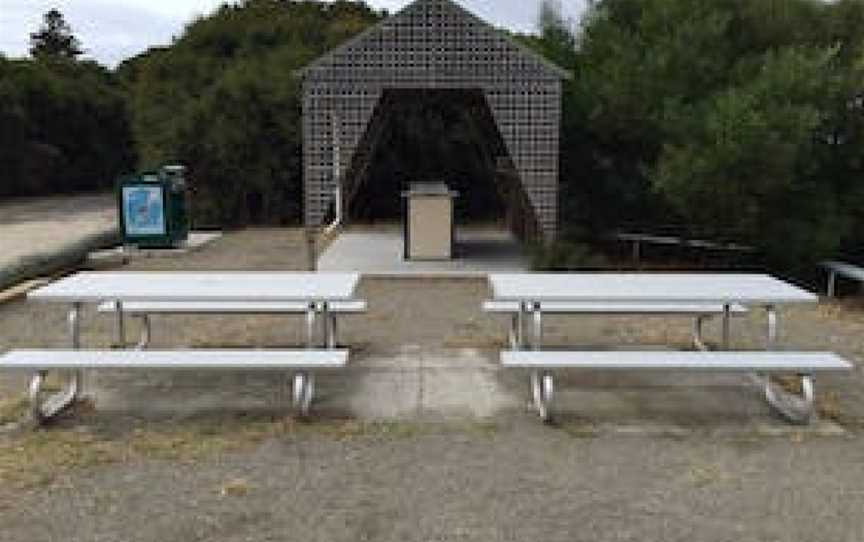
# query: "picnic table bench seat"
x,y
302,362
802,364
143,310
701,312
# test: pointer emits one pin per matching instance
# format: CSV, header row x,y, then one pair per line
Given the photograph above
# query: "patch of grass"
x,y
38,457
237,487
674,338
475,341
789,384
13,410
199,440
705,475
579,429
828,408
565,256
347,429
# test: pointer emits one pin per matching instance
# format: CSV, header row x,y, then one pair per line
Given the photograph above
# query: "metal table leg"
x,y
698,340
773,320
119,325
327,335
311,315
542,383
512,336
146,332
303,392
727,317
42,411
542,389
537,335
797,408
333,340
520,325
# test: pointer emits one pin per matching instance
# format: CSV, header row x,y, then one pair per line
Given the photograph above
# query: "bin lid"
x,y
429,189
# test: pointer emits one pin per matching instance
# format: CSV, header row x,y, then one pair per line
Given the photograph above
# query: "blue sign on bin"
x,y
143,209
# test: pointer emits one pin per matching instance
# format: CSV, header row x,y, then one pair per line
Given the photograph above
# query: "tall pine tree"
x,y
54,39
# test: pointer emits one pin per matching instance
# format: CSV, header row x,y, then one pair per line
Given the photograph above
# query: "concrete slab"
x,y
41,225
121,255
44,235
380,252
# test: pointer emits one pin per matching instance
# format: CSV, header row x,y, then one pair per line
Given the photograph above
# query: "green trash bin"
x,y
153,207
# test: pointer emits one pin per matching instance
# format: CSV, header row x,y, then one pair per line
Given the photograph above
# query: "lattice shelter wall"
x,y
432,44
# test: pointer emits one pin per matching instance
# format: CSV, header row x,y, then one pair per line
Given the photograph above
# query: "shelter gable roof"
x,y
449,19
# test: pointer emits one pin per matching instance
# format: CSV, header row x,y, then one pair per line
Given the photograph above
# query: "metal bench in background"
x,y
843,269
303,363
700,311
798,409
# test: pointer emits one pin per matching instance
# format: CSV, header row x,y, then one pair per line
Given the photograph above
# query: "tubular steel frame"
x,y
797,408
44,410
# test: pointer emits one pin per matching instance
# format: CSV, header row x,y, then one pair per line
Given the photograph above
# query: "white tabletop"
x,y
209,286
648,287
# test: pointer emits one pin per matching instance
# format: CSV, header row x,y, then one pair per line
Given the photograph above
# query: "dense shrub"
x,y
63,127
225,101
737,119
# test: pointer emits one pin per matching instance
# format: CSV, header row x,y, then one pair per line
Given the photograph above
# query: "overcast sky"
x,y
111,31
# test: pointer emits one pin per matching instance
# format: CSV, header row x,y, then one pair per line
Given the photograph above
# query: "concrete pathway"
x,y
33,230
423,383
380,251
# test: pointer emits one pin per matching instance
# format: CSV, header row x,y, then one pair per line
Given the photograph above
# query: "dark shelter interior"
x,y
424,135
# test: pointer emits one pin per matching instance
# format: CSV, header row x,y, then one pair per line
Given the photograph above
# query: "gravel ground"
x,y
519,482
246,474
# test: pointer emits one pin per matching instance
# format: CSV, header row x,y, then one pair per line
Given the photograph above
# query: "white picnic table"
x,y
96,287
317,290
535,292
531,290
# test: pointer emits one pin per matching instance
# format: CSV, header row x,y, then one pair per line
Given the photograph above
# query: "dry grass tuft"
x,y
237,487
348,429
13,410
828,407
38,457
705,475
475,341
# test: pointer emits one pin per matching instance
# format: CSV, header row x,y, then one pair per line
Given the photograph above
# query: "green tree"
x,y
63,128
729,118
54,39
224,100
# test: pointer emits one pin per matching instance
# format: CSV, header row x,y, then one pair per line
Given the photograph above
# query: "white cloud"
x,y
111,31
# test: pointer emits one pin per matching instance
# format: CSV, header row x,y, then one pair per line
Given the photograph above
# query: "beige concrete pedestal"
x,y
428,228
